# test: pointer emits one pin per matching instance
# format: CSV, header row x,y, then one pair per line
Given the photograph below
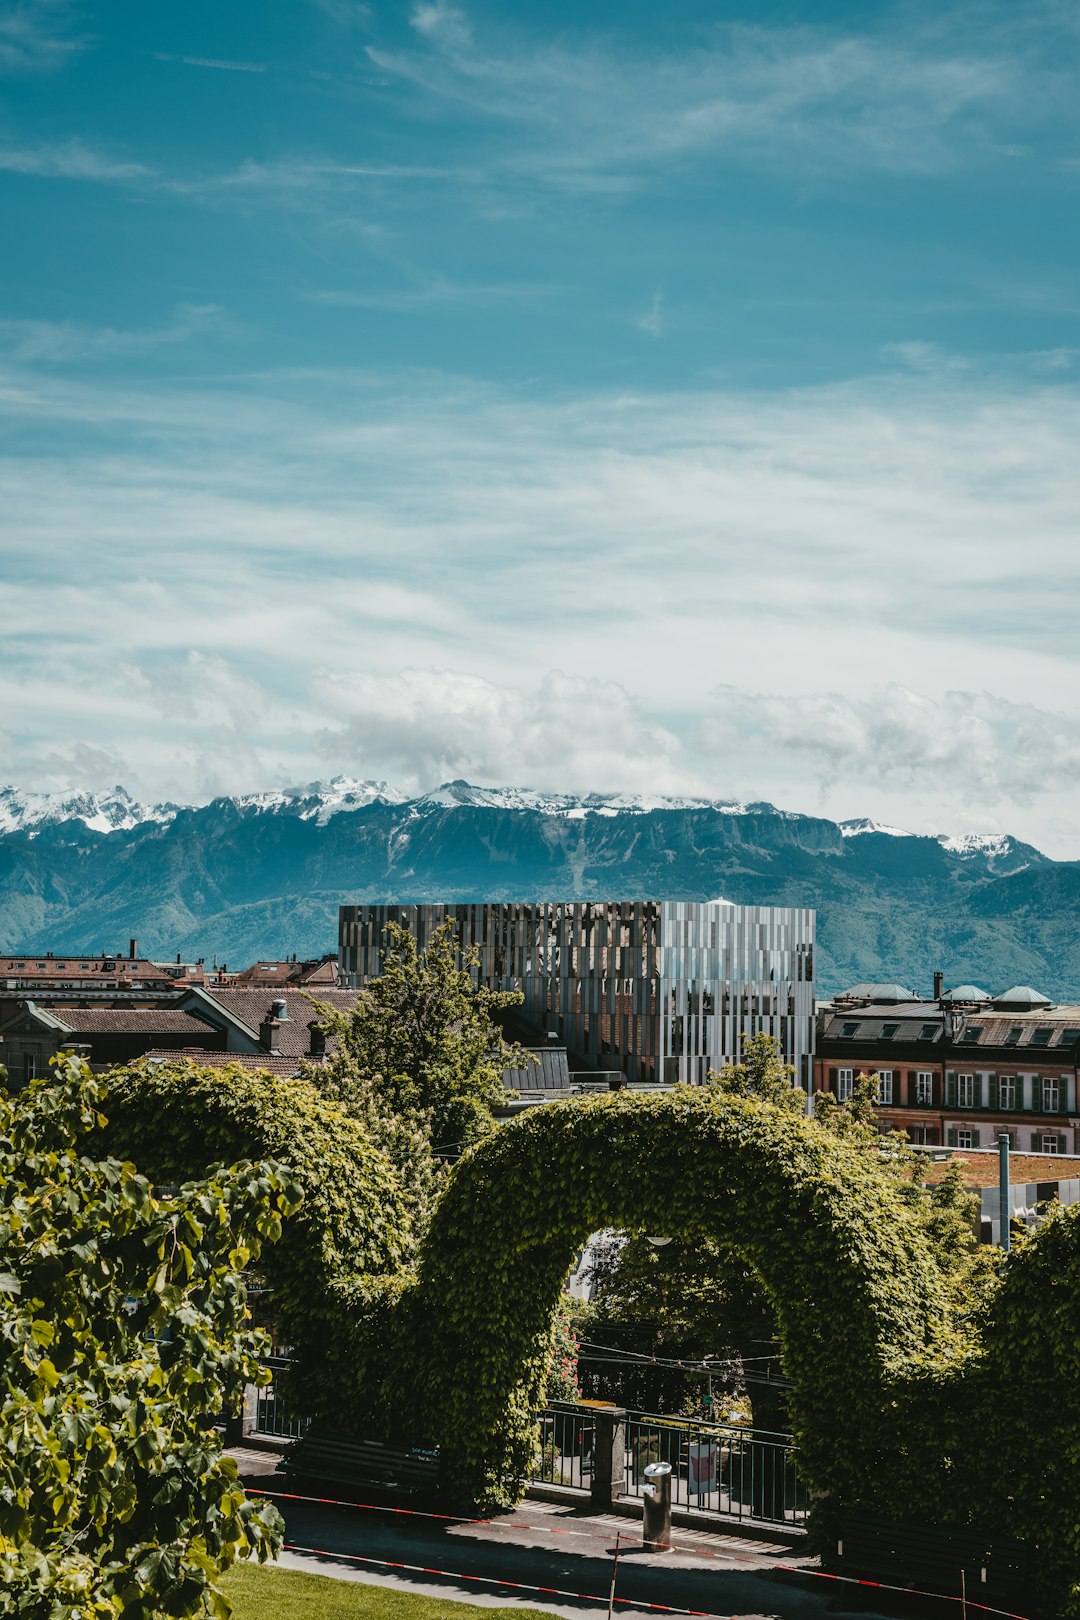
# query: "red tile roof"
x,y
293,1038
131,1021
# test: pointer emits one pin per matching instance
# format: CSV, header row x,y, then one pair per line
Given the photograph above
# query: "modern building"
x,y
961,1068
654,990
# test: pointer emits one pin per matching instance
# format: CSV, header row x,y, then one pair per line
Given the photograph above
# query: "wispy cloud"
x,y
35,36
806,97
281,176
212,62
435,292
70,160
652,321
55,342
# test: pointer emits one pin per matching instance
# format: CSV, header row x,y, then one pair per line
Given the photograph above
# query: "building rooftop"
x,y
888,994
981,1169
203,1058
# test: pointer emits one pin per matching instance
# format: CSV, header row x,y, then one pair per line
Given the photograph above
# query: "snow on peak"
x,y
454,795
863,824
977,843
116,811
319,801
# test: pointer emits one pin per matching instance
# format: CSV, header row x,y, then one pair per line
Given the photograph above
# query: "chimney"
x,y
317,1043
279,1011
132,950
939,986
268,1031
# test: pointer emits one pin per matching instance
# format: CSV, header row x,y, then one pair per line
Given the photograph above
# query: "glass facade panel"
x,y
661,990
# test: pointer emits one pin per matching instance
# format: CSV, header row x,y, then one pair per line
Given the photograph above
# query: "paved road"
x,y
543,1545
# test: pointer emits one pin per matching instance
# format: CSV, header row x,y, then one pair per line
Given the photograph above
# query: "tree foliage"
x,y
419,1058
126,1335
174,1119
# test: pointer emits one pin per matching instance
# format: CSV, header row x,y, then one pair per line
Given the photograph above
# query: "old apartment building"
x,y
960,1068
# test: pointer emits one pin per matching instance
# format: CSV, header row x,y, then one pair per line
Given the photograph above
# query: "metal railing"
x,y
272,1416
567,1440
732,1472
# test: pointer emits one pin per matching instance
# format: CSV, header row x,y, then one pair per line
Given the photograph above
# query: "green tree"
x,y
761,1073
126,1335
419,1058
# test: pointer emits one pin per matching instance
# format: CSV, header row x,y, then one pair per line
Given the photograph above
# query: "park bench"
x,y
931,1557
331,1458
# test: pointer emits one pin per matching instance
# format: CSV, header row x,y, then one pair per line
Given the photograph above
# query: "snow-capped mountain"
x,y
863,824
264,873
452,795
321,800
117,811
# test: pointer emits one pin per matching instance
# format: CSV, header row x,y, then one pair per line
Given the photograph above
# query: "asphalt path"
x,y
564,1551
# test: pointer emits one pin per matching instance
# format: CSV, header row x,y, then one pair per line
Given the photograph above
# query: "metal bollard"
x,y
656,1517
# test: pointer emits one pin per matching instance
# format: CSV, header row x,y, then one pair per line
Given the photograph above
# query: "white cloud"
x,y
978,746
334,539
425,726
443,24
69,160
57,341
652,321
906,99
32,36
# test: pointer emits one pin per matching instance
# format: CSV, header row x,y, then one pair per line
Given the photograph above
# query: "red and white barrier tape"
x,y
590,1535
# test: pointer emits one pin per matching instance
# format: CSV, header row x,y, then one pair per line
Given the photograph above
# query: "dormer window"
x,y
888,1031
929,1032
1042,1035
971,1035
1013,1037
848,1030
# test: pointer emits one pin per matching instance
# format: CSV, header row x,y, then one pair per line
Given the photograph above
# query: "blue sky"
x,y
666,399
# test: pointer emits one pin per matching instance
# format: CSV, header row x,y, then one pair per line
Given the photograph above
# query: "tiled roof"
x,y
131,1021
293,1038
204,1059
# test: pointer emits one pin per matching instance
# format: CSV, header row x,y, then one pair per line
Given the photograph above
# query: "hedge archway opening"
x,y
856,1293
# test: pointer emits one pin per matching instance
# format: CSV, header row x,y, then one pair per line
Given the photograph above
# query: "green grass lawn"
x,y
260,1592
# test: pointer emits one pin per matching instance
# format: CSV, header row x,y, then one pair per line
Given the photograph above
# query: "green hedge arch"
x,y
858,1298
175,1119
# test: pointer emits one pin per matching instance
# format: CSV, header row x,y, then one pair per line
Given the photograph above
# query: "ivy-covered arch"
x,y
846,1264
175,1119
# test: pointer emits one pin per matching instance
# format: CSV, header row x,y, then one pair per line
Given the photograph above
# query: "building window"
x,y
888,1031
1042,1035
1013,1037
971,1035
965,1092
848,1030
1048,1144
965,1139
29,1066
845,1079
1069,1037
1007,1092
1050,1096
929,1032
883,1090
924,1089
923,1135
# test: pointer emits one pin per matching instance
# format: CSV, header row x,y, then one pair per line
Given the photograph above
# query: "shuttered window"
x,y
1006,1093
965,1092
844,1080
924,1088
883,1088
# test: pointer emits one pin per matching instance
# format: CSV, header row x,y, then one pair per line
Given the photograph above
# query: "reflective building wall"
x,y
662,990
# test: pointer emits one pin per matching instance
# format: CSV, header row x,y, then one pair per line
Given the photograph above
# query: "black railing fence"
x,y
733,1472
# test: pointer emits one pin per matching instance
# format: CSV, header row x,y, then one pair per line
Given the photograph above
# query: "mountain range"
x,y
263,874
